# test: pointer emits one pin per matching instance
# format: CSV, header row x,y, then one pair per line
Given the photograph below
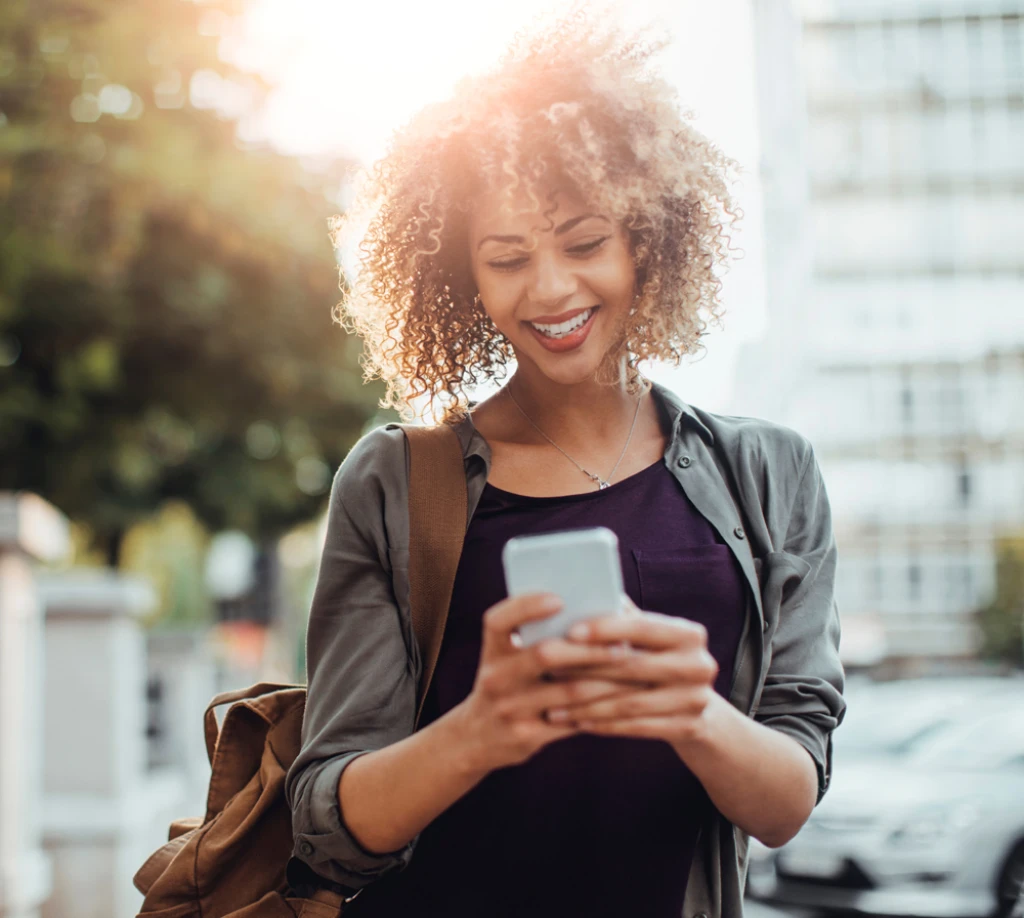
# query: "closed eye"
x,y
587,247
509,264
581,250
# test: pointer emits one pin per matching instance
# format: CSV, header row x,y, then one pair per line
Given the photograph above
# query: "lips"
x,y
561,317
568,342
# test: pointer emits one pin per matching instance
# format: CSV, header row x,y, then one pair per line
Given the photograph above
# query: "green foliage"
x,y
1002,620
165,291
169,550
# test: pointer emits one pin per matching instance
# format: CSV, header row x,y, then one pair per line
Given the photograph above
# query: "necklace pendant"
x,y
603,484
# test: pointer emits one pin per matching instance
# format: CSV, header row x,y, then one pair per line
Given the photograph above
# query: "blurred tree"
x,y
1002,620
169,550
165,289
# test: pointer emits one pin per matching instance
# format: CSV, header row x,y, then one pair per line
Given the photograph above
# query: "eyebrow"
x,y
559,230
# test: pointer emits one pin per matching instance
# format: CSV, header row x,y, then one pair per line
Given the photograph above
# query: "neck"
x,y
582,415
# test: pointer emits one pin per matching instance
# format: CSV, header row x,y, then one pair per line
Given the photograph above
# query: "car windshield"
x,y
872,733
992,740
893,719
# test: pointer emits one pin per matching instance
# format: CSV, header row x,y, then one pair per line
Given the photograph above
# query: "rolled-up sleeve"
x,y
802,693
361,688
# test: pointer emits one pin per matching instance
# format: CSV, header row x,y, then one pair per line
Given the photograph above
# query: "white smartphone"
x,y
581,566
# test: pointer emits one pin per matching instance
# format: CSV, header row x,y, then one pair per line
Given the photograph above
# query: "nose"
x,y
551,281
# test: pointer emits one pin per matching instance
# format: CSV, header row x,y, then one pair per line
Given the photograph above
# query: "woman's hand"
x,y
504,715
668,656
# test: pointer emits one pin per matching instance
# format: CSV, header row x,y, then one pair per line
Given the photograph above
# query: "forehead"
x,y
495,211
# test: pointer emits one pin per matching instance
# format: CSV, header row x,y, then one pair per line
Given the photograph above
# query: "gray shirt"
x,y
756,482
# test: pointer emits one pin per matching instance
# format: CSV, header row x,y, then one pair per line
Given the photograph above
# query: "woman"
x,y
561,212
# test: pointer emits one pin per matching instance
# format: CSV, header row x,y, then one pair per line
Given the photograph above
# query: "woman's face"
x,y
558,285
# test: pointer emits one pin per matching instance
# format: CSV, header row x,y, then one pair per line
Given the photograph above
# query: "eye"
x,y
585,248
509,264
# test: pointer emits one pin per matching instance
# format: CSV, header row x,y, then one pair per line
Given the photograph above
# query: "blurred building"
x,y
893,175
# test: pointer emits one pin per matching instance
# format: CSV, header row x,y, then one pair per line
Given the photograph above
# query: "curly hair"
x,y
573,107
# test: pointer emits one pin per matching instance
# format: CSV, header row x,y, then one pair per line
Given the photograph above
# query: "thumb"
x,y
629,607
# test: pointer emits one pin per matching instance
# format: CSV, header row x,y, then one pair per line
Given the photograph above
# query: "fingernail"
x,y
557,715
551,603
618,650
579,632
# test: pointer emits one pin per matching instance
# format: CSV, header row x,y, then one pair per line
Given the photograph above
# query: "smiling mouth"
x,y
562,329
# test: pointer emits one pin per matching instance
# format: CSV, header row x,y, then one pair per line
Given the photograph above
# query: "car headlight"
x,y
934,822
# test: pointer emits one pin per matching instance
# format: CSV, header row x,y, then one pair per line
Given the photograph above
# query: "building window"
x,y
914,573
963,487
907,403
157,752
1012,27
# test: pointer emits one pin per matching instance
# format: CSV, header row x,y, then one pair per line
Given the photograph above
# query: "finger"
x,y
662,702
558,655
505,673
650,630
641,727
608,674
694,667
537,700
501,619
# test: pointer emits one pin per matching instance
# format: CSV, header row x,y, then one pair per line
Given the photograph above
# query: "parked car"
x,y
889,719
936,829
760,910
1018,910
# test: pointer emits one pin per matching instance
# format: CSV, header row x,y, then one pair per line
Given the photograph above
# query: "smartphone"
x,y
581,566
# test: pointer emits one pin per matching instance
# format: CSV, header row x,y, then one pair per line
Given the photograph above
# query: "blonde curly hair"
x,y
574,107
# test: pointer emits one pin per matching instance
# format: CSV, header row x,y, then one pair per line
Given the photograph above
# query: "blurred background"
x,y
174,398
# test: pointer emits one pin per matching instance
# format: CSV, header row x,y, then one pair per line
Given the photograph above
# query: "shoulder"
x,y
374,467
780,450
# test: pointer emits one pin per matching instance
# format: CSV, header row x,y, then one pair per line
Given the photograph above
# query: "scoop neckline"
x,y
566,498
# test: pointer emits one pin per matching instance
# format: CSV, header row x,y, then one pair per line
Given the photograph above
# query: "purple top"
x,y
589,825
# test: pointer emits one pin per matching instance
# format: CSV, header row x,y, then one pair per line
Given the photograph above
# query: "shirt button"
x,y
683,462
739,533
305,847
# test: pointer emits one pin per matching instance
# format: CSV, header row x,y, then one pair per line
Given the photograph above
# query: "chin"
x,y
566,376
566,369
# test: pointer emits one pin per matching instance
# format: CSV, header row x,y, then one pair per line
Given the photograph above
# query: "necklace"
x,y
602,483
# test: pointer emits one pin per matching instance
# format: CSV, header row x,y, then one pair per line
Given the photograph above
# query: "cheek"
x,y
499,294
497,286
614,276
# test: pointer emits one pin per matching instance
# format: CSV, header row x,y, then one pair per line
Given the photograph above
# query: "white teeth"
x,y
564,328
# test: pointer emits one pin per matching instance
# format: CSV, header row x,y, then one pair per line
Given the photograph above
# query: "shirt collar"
x,y
473,442
677,411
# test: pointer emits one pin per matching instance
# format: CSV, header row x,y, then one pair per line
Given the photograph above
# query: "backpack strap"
x,y
437,529
210,727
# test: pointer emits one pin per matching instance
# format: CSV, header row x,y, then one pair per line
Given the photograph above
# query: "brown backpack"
x,y
232,862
